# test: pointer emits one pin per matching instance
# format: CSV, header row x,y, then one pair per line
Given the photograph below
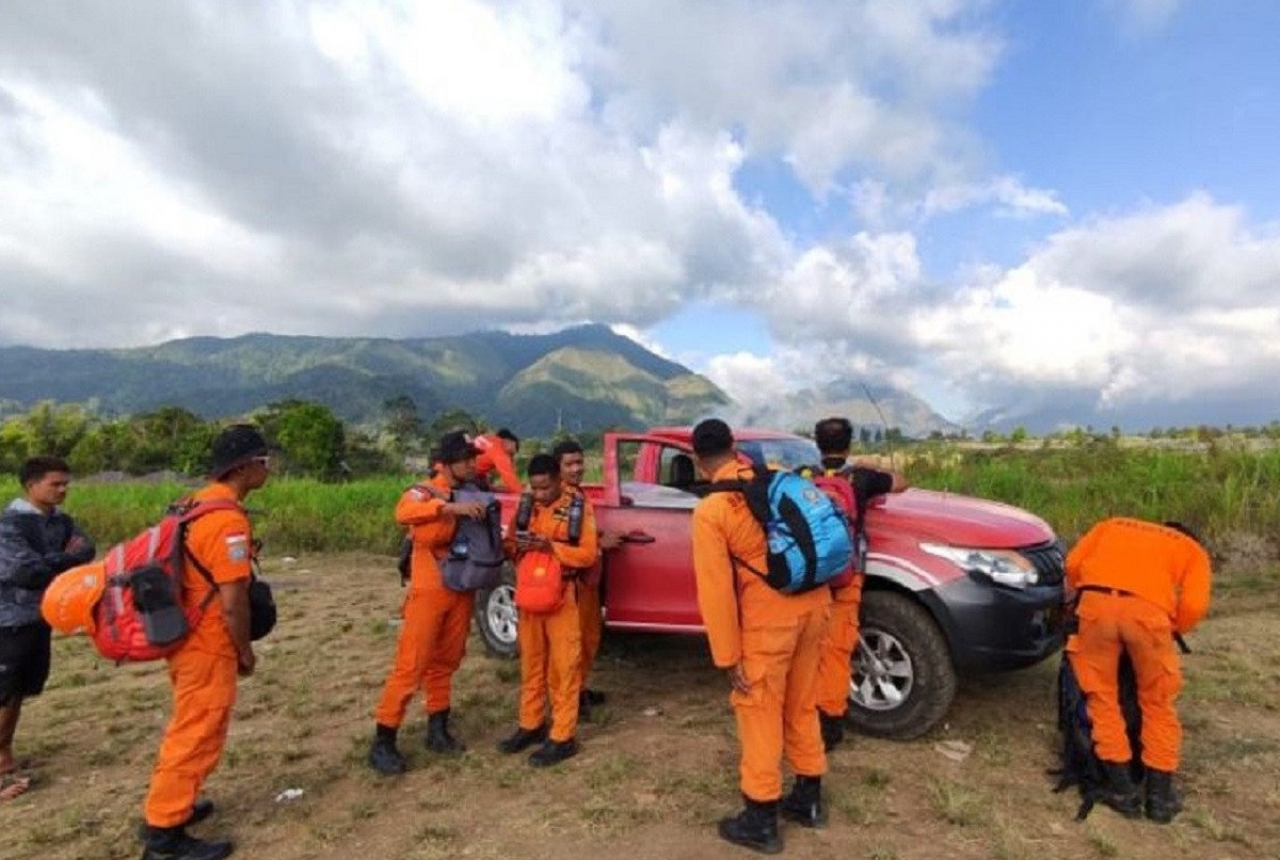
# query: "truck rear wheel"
x,y
496,616
903,680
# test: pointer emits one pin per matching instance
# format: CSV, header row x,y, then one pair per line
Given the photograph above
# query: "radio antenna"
x,y
883,423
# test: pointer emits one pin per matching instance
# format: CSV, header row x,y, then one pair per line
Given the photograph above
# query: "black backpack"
x,y
1080,765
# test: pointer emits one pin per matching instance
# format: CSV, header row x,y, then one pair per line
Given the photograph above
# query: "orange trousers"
x,y
592,623
204,691
551,663
779,715
1109,625
836,665
432,641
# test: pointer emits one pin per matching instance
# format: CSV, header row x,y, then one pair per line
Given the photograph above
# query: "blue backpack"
x,y
808,537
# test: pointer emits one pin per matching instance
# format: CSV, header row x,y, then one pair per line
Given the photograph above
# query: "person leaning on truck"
x,y
834,437
433,637
770,643
1139,584
572,462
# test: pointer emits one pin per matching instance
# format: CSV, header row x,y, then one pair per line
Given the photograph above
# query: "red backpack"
x,y
840,489
141,615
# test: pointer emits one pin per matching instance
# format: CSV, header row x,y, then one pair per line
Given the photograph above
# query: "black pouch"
x,y
163,621
262,608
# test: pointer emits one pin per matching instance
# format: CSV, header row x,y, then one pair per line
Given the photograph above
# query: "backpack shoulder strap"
x,y
189,510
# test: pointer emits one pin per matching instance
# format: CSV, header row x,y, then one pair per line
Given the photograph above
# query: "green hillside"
x,y
582,378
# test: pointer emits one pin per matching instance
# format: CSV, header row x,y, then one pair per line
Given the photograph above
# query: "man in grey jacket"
x,y
37,542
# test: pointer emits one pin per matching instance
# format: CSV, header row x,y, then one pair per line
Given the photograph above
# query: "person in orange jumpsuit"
x,y
572,461
204,668
551,643
497,453
1138,584
769,642
433,636
834,437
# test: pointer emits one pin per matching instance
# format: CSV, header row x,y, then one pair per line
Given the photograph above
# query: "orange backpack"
x,y
539,582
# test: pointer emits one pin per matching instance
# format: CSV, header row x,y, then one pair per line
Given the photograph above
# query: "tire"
x,y
903,680
496,617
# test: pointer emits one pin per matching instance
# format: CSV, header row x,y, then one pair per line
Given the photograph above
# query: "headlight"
x,y
1001,566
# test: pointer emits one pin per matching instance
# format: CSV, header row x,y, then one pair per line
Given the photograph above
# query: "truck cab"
x,y
954,585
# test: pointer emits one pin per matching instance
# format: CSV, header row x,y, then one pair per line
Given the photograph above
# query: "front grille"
x,y
1048,560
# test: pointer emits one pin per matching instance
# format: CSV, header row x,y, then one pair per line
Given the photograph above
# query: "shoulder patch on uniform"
x,y
237,546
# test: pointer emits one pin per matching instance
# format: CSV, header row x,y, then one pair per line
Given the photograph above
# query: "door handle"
x,y
638,536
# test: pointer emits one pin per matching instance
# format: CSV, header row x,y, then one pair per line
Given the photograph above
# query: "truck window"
x,y
676,476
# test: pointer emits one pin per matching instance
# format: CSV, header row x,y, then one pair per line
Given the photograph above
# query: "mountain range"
x,y
582,378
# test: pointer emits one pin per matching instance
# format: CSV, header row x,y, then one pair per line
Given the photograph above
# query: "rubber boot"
x,y
438,739
803,804
1163,800
832,730
755,827
522,739
201,810
1120,793
553,752
173,843
383,755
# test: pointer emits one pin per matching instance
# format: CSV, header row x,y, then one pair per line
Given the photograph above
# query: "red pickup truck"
x,y
954,584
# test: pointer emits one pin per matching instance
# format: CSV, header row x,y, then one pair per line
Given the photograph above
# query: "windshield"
x,y
781,453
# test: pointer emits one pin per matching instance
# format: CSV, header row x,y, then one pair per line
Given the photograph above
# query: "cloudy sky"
x,y
1006,205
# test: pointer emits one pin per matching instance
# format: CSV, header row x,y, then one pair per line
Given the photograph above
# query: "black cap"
x,y
234,447
712,437
455,447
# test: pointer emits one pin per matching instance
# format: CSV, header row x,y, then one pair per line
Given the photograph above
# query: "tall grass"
x,y
1218,490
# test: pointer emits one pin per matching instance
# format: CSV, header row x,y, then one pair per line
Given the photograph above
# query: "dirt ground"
x,y
658,766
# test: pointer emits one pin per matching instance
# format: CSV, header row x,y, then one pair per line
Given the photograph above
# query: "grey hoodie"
x,y
32,552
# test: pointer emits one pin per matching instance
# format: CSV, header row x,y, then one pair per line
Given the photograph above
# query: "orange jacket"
x,y
1152,561
223,542
730,597
494,456
552,522
430,528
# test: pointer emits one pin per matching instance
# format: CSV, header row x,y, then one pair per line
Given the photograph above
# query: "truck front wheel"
x,y
496,616
903,680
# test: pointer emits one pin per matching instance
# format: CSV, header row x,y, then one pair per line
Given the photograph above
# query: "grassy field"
x,y
658,766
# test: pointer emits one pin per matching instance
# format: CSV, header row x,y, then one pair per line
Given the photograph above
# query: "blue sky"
x,y
1053,212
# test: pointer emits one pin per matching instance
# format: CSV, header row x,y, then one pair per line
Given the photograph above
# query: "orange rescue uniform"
x,y
203,670
590,618
433,637
1139,583
836,664
494,457
777,639
551,643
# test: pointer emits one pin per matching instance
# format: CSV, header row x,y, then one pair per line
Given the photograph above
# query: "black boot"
x,y
832,730
1120,793
554,752
803,804
201,810
438,738
1163,800
383,755
173,843
755,827
522,739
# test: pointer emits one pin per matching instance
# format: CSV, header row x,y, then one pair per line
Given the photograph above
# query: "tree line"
x,y
310,439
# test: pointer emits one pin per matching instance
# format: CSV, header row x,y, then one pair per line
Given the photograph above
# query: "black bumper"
x,y
991,628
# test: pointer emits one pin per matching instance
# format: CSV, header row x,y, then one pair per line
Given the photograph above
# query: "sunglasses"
x,y
264,461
